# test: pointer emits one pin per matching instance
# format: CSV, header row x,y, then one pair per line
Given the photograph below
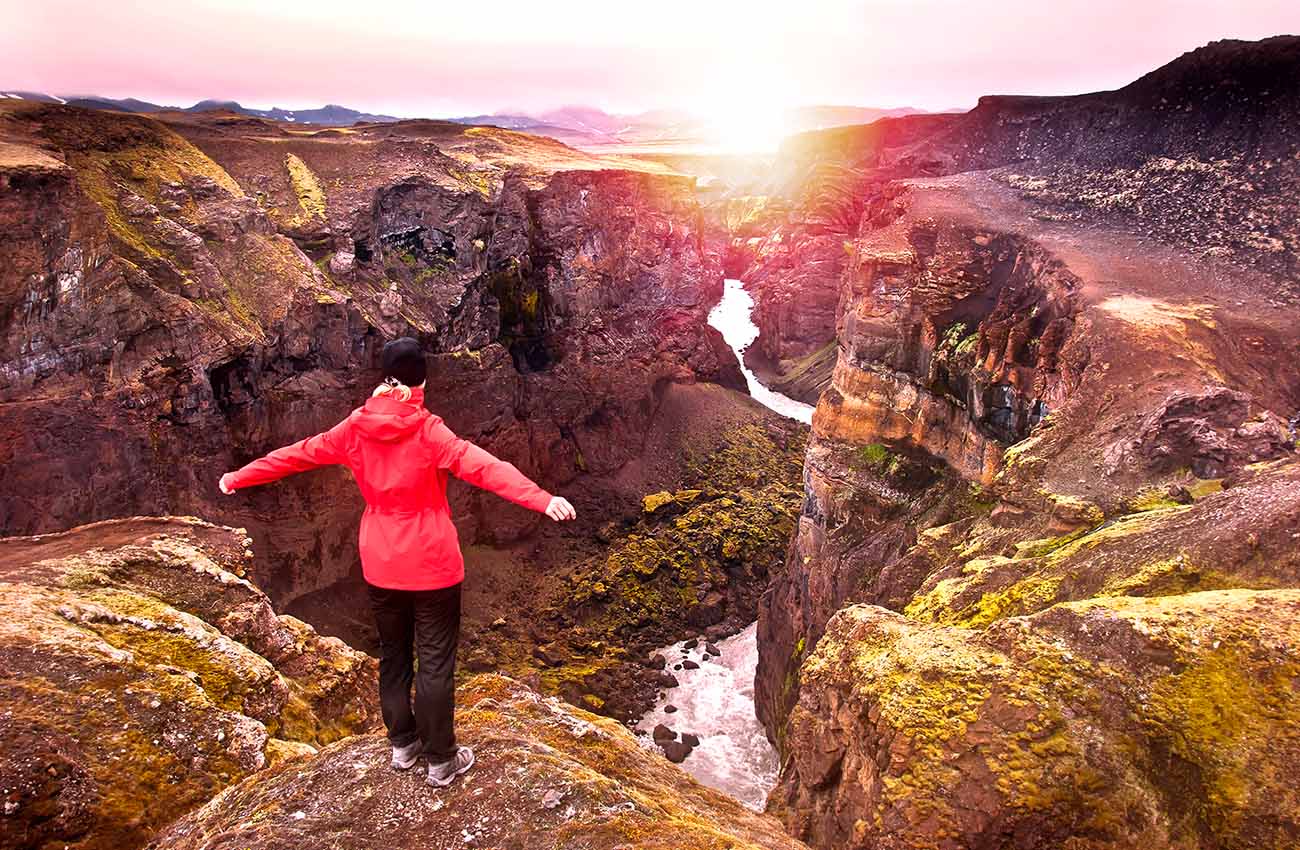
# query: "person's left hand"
x,y
559,509
225,488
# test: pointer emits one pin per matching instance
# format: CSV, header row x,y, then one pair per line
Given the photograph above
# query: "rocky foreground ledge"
x,y
548,776
140,675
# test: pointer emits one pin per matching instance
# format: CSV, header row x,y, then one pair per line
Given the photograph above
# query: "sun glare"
x,y
747,132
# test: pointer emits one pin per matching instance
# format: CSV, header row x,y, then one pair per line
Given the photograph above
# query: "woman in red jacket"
x,y
400,455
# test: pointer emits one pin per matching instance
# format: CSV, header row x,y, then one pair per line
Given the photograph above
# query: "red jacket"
x,y
400,455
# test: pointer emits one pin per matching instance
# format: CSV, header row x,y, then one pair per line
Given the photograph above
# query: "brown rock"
x,y
1134,716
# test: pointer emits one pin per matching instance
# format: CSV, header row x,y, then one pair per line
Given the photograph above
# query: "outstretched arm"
x,y
470,463
320,450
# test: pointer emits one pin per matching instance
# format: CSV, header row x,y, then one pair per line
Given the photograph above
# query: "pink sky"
x,y
434,58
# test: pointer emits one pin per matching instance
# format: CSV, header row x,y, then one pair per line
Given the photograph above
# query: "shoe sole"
x,y
450,779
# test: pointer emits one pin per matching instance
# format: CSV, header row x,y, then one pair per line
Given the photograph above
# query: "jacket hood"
x,y
388,419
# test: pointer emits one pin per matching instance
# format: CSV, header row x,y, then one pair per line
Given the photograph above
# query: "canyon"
x,y
1030,580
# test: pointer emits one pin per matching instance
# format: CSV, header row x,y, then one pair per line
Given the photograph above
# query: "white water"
x,y
716,702
732,317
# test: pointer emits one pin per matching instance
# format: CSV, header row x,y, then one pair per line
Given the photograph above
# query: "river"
x,y
732,317
716,701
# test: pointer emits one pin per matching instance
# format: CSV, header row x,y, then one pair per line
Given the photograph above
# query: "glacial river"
x,y
716,701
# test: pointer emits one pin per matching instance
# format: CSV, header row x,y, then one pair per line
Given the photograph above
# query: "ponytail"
x,y
394,389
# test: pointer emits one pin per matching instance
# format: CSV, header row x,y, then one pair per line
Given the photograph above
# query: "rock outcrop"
x,y
547,776
141,674
1049,405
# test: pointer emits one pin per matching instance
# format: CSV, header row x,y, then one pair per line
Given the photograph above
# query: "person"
x,y
400,455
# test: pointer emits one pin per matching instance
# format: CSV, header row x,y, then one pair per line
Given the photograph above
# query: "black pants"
x,y
424,624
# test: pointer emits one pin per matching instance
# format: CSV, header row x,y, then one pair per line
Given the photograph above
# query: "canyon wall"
x,y
181,295
1049,490
1191,153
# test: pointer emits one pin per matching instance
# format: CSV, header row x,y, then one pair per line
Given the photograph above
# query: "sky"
x,y
429,58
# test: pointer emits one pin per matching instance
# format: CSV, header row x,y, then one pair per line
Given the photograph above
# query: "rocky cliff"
x,y
1062,380
1191,154
1114,722
142,673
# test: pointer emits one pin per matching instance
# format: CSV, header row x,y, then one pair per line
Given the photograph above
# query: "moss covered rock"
x,y
1118,723
1239,536
547,776
141,674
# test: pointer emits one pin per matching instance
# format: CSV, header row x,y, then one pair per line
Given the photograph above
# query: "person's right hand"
x,y
224,487
559,509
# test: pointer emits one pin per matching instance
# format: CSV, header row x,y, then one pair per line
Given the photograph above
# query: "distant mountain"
x,y
329,115
129,104
825,117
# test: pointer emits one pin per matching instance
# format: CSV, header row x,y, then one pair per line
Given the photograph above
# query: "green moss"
x,y
1046,545
878,458
1221,712
953,336
478,181
966,346
642,590
1073,508
655,501
1205,487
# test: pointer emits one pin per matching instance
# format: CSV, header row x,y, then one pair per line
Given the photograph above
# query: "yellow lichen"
x,y
311,198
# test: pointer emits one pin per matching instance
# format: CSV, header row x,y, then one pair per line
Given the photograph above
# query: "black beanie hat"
x,y
404,360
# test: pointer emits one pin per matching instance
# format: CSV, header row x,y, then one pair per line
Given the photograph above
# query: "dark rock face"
x,y
546,776
142,674
158,328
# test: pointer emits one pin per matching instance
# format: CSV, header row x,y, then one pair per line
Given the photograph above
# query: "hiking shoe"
x,y
404,758
442,775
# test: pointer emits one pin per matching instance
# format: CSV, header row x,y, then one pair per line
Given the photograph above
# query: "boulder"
x,y
675,751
